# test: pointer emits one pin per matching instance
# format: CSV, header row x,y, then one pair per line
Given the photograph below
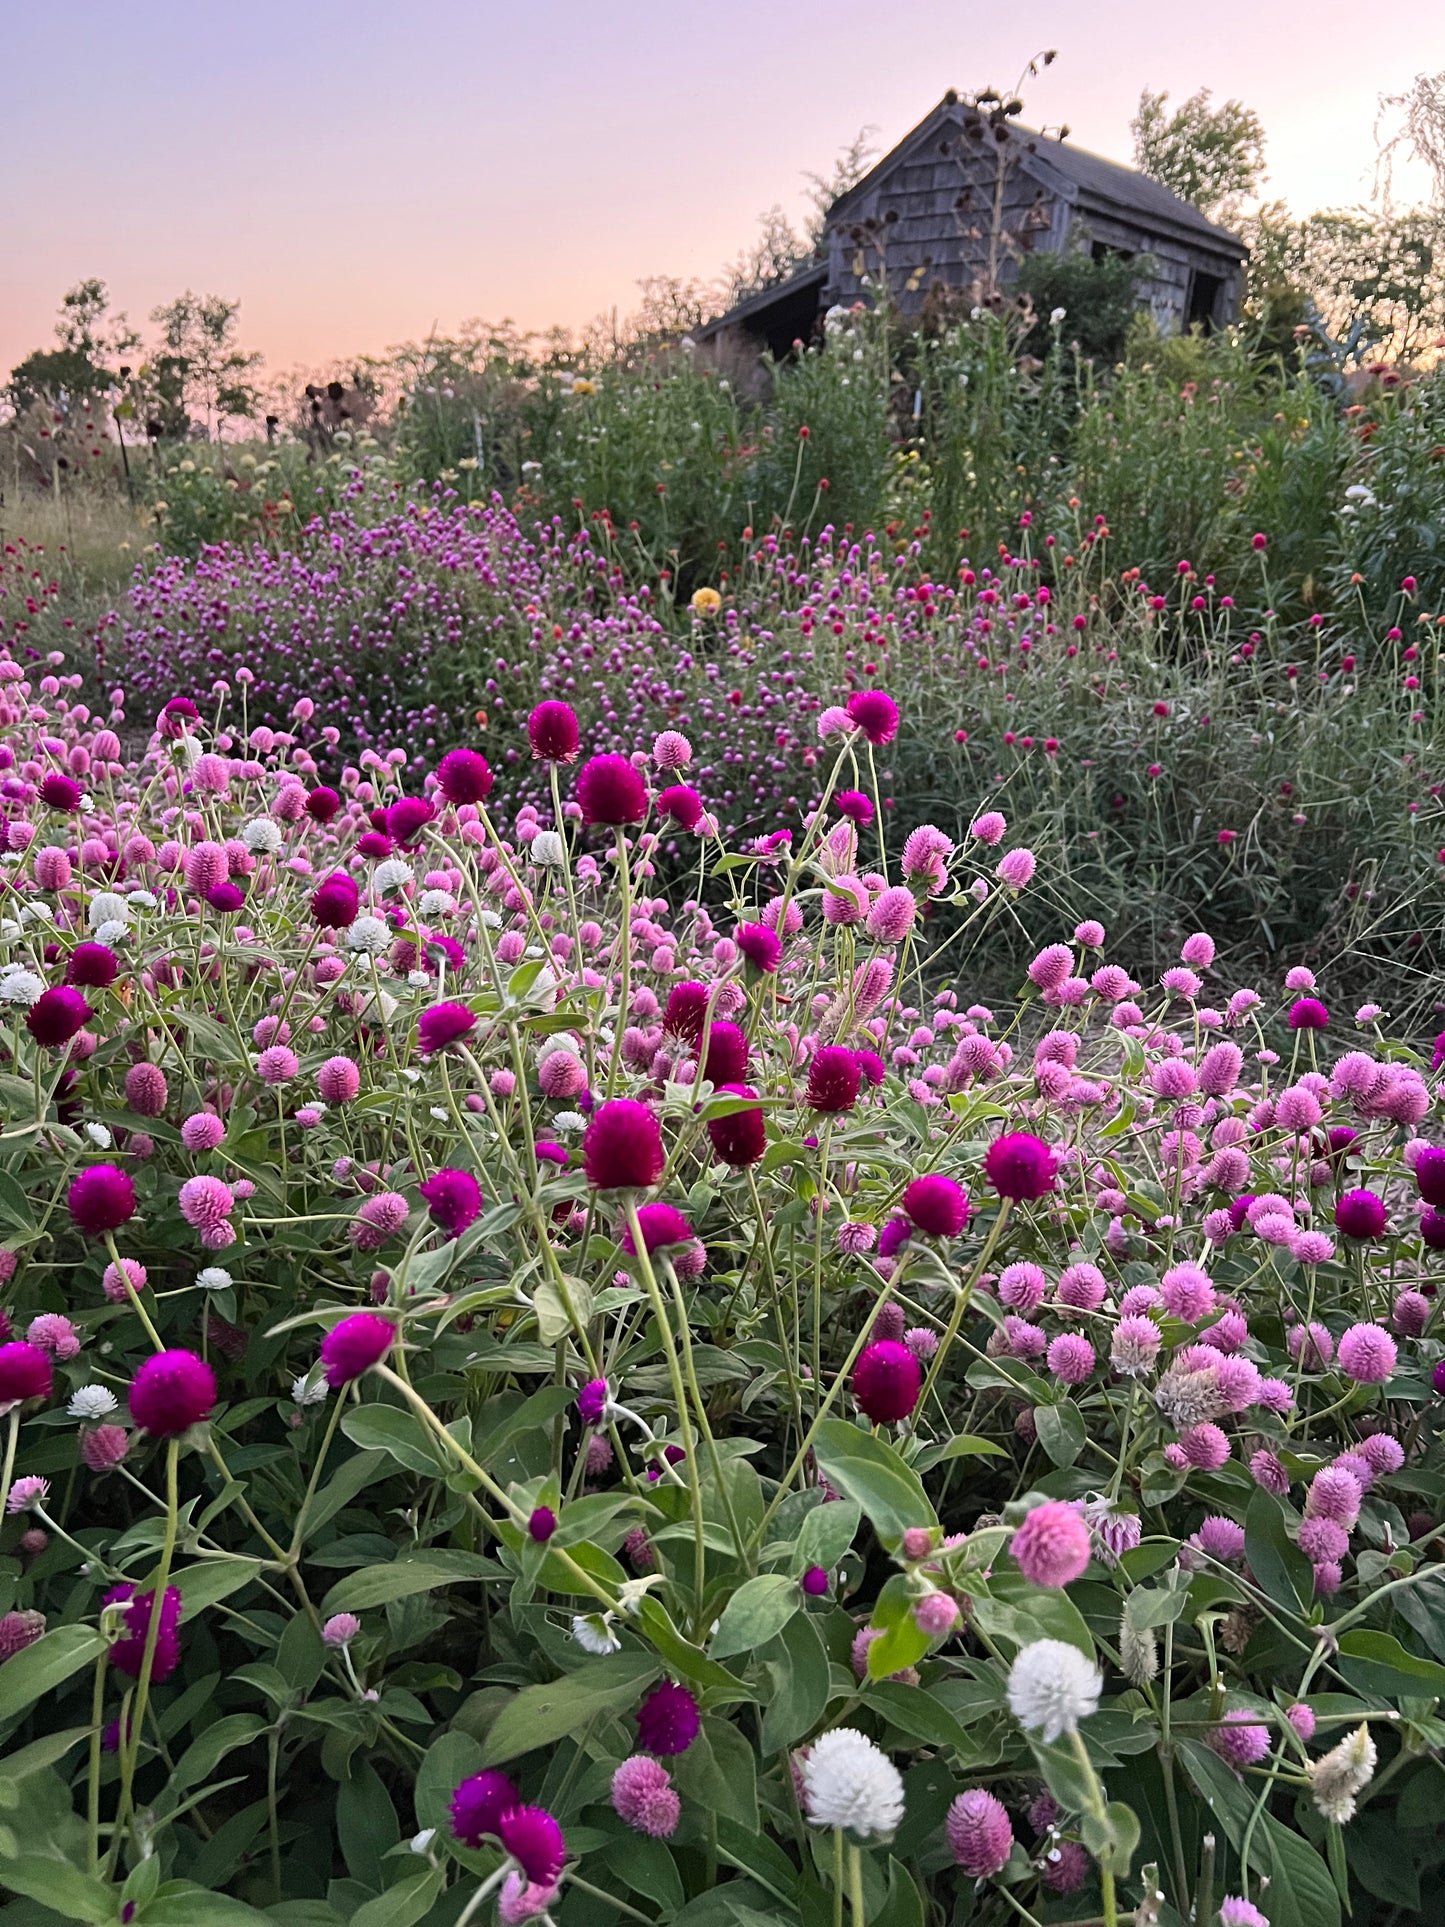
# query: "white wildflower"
x,y
548,849
107,907
92,1402
190,749
567,1121
421,1842
851,1783
20,987
1056,315
113,933
1051,1687
436,903
262,836
490,918
394,874
379,1003
369,935
99,1136
310,1388
439,1112
418,979
593,1633
37,912
87,803
140,899
214,1278
1338,1777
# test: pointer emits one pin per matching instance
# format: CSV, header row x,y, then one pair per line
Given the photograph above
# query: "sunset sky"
x,y
356,171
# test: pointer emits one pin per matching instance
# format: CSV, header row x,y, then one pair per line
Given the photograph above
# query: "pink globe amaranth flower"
x,y
535,1842
1329,1577
442,1025
980,1834
1312,1247
205,1203
1411,1314
1220,1068
671,750
338,1080
202,1131
643,1797
858,809
1239,1739
815,1582
622,1147
1022,1286
1188,1293
1270,1472
561,1074
541,1524
1430,1174
1360,1214
834,1076
521,1900
1334,1495
1384,1455
1135,1345
277,1064
1020,1167
172,1392
761,946
1367,1354
937,1205
356,1344
1016,868
19,1630
663,1227
53,869
1322,1541
340,1629
105,1447
886,1381
145,1089
926,851
478,1805
113,1283
668,1720
1066,1867
1051,967
1198,951
1312,1346
464,776
1082,1287
1051,1547
454,1199
1308,1013
25,1372
53,1332
611,792
127,1655
740,1138
93,966
1301,1717
1204,1446
875,714
553,733
204,866
1071,1358
377,1220
1234,1909
682,804
336,903
892,915
57,1015
1221,1538
101,1199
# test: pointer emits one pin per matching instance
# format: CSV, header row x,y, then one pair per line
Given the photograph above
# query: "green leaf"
x,y
1061,1430
825,1535
553,1320
867,1469
919,1714
719,1772
648,1869
962,1445
361,1470
1377,1663
1111,1836
450,1760
55,1883
412,1572
366,1823
541,1715
904,1905
180,1904
758,1609
797,1665
901,1642
35,1758
40,1668
383,1428
202,1756
1282,1571
403,1905
1016,1611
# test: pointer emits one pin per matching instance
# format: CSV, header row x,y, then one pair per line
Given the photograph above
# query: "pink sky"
x,y
355,171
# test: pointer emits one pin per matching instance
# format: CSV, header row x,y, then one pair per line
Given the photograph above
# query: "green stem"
x,y
130,1741
962,1296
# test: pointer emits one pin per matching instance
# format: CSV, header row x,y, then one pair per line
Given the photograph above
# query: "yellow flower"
x,y
584,387
706,602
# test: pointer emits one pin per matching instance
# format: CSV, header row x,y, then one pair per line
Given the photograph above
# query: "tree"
x,y
1212,156
93,344
848,169
200,366
1420,133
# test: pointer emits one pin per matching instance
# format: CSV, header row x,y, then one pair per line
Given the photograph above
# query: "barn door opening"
x,y
1204,293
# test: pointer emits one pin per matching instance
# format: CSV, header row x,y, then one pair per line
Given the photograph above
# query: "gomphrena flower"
x,y
937,1205
1020,1166
849,1782
336,902
1360,1214
1367,1354
1239,1739
478,1805
464,776
441,1025
875,714
172,1392
1430,1174
682,804
541,1524
643,1796
354,1346
668,1720
727,1054
1052,1687
834,1077
25,1372
857,807
93,966
886,1381
611,791
1236,1911
622,1147
592,1401
761,946
980,1834
740,1138
553,733
663,1228
56,1016
454,1199
535,1842
1308,1013
127,1654
1051,1547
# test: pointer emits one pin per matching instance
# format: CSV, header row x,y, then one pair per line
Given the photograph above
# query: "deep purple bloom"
x,y
886,1381
59,792
1308,1013
937,1205
740,1138
762,947
172,1392
354,1346
834,1076
553,733
686,1011
667,1720
727,1054
611,791
542,1524
1430,1175
57,1015
93,965
875,714
1432,1229
857,807
375,845
682,804
1020,1166
464,776
592,1401
815,1582
336,902
894,1235
322,804
1360,1214
454,1199
535,1842
226,898
408,817
443,1024
101,1199
127,1655
661,1225
478,1805
25,1372
622,1147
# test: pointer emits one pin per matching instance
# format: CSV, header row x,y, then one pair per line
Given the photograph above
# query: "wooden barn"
x,y
962,199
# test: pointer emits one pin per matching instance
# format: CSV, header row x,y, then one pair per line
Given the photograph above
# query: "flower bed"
x,y
643,1408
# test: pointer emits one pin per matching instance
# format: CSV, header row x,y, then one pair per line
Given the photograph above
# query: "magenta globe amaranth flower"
x,y
1308,1013
541,1524
553,733
611,792
1430,1174
478,1805
172,1392
454,1199
886,1381
57,1015
1360,1214
464,776
1020,1167
622,1147
663,1228
592,1401
101,1199
407,817
980,1834
761,946
682,804
354,1346
25,1372
834,1077
1051,1547
127,1654
535,1842
668,1720
740,1138
336,902
875,714
92,966
815,1582
441,1025
727,1054
937,1205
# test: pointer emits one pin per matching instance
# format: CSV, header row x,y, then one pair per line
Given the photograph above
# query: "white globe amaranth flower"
x,y
1338,1777
112,933
262,836
189,749
593,1633
214,1278
379,1003
310,1388
490,918
141,899
20,987
92,1402
849,1782
1051,1687
369,936
548,850
567,1121
37,912
99,1136
417,979
107,907
436,903
394,874
439,1112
